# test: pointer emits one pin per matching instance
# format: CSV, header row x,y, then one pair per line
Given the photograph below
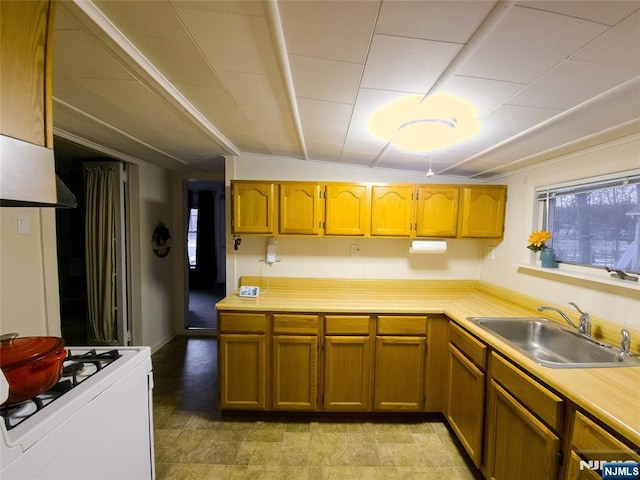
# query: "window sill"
x,y
600,282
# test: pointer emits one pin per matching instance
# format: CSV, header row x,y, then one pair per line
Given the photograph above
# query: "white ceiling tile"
x,y
284,150
510,120
324,113
323,151
326,29
254,89
153,19
558,88
218,106
482,93
617,47
179,61
244,7
371,147
608,12
324,134
432,20
322,79
527,43
240,43
79,56
406,64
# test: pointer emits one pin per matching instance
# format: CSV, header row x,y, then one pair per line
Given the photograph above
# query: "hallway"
x,y
194,442
202,312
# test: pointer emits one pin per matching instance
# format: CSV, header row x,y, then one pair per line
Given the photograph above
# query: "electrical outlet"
x,y
491,255
355,250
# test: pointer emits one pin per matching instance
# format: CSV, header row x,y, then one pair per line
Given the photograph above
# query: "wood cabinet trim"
x,y
473,348
544,403
401,325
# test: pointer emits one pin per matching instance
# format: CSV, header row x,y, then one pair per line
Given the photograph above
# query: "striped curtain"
x,y
100,182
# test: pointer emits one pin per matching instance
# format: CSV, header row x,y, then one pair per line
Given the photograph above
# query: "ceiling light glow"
x,y
422,125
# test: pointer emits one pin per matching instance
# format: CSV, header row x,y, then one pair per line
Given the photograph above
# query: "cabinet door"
x,y
242,362
437,214
391,210
253,206
348,363
518,444
576,472
465,403
482,214
399,373
295,372
25,77
345,209
300,208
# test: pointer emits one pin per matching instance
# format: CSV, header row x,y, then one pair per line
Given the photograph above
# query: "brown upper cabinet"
x,y
26,49
346,207
482,211
437,211
391,210
253,207
361,210
300,209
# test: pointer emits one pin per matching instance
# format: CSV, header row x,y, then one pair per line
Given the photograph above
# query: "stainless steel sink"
x,y
551,345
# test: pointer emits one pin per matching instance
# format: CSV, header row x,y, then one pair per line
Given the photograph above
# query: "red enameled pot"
x,y
31,365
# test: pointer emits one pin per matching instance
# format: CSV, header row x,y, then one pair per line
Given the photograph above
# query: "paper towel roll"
x,y
428,246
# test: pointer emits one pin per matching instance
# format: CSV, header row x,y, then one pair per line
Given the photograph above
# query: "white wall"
x,y
29,299
616,305
329,257
154,289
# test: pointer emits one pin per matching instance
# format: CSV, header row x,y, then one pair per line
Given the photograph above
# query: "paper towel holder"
x,y
433,247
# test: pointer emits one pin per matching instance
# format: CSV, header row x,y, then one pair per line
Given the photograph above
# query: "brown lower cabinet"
x,y
512,425
465,401
518,442
348,363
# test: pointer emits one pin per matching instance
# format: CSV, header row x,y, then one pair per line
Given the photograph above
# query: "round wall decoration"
x,y
161,240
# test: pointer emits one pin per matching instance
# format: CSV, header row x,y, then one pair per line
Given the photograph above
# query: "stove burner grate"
x,y
73,373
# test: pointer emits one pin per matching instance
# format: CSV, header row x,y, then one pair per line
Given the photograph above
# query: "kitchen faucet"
x,y
625,345
584,324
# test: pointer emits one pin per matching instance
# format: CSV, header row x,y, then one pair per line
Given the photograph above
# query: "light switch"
x,y
23,225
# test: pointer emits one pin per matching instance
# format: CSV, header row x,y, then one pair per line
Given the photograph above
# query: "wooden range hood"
x,y
27,165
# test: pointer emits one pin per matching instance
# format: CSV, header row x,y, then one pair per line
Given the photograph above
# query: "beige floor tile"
x,y
222,452
202,445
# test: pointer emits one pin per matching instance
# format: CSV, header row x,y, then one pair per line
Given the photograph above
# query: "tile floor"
x,y
194,442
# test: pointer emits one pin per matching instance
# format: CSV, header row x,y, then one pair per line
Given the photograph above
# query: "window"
x,y
595,224
192,236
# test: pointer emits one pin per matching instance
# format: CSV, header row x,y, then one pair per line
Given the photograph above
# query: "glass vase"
x,y
548,258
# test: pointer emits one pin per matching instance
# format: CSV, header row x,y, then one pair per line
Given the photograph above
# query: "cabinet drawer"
x,y
242,322
295,324
541,401
469,345
402,325
593,442
347,325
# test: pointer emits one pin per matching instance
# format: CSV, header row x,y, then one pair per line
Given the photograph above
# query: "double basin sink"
x,y
551,345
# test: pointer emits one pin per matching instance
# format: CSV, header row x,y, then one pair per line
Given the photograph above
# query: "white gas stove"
x,y
95,423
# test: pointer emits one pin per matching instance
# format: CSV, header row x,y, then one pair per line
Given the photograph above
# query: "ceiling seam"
x,y
548,122
275,24
117,38
114,129
386,148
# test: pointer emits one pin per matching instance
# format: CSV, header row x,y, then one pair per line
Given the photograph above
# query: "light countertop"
x,y
610,394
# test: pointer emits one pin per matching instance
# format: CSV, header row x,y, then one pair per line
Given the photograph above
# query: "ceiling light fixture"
x,y
421,124
430,172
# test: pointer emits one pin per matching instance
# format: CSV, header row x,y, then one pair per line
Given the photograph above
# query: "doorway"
x,y
205,252
72,257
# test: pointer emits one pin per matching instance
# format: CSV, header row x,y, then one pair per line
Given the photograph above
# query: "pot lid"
x,y
15,351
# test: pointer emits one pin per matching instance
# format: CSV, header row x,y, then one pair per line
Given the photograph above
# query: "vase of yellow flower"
x,y
537,243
